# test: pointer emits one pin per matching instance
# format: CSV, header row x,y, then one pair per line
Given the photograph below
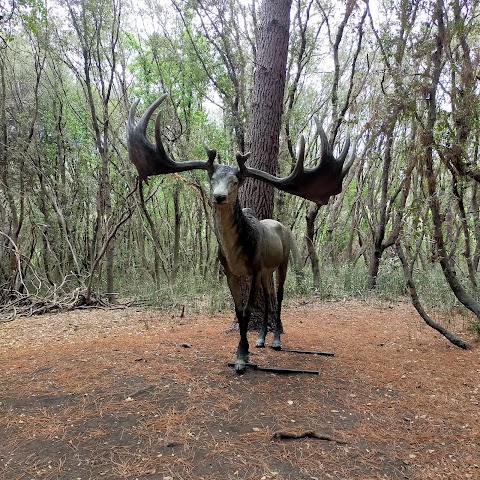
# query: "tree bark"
x,y
266,115
267,103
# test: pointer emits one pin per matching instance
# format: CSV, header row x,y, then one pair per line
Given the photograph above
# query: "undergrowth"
x,y
210,293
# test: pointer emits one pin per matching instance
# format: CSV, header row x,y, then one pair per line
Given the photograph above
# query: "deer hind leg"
x,y
281,276
260,343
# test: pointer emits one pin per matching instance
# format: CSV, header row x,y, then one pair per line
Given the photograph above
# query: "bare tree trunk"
x,y
466,234
310,239
176,234
99,39
266,115
408,14
157,246
448,270
379,229
476,220
17,213
267,103
338,113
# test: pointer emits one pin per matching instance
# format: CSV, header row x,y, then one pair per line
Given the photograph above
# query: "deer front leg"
x,y
277,343
242,350
242,319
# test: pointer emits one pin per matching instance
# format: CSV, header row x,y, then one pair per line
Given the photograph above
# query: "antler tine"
x,y
152,159
211,154
143,122
241,159
158,137
131,114
326,152
299,168
343,153
317,184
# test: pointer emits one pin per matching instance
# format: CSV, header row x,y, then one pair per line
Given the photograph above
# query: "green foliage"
x,y
33,15
52,187
196,292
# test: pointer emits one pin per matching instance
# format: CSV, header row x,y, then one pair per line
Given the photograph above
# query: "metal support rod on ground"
x,y
306,352
276,369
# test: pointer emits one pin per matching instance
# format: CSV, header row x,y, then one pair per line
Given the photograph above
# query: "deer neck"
x,y
237,235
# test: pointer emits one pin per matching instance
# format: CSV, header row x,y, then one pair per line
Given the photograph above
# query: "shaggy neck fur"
x,y
237,235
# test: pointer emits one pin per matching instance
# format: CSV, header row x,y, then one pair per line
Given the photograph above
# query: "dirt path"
x,y
131,394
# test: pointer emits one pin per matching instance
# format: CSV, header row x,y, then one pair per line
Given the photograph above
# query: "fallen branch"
x,y
407,271
307,434
27,305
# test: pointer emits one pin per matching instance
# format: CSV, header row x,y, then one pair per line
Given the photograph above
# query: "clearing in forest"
x,y
128,394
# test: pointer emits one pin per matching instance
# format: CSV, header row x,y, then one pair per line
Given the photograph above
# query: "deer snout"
x,y
219,198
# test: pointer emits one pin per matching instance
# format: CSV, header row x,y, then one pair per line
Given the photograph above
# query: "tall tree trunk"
x,y
266,111
267,103
338,113
157,245
474,204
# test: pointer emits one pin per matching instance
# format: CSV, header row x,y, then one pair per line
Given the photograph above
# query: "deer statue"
x,y
247,246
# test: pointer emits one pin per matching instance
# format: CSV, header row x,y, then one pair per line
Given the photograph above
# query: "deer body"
x,y
247,246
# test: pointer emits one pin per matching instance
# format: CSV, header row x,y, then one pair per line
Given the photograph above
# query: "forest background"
x,y
400,77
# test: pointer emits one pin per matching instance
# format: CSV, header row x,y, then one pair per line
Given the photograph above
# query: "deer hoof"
x,y
276,345
240,366
260,343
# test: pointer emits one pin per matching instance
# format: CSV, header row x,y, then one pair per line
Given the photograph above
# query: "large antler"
x,y
317,184
152,159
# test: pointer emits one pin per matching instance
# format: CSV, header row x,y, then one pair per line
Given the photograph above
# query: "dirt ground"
x,y
130,394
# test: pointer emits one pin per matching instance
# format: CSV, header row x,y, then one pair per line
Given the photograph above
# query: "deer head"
x,y
317,184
